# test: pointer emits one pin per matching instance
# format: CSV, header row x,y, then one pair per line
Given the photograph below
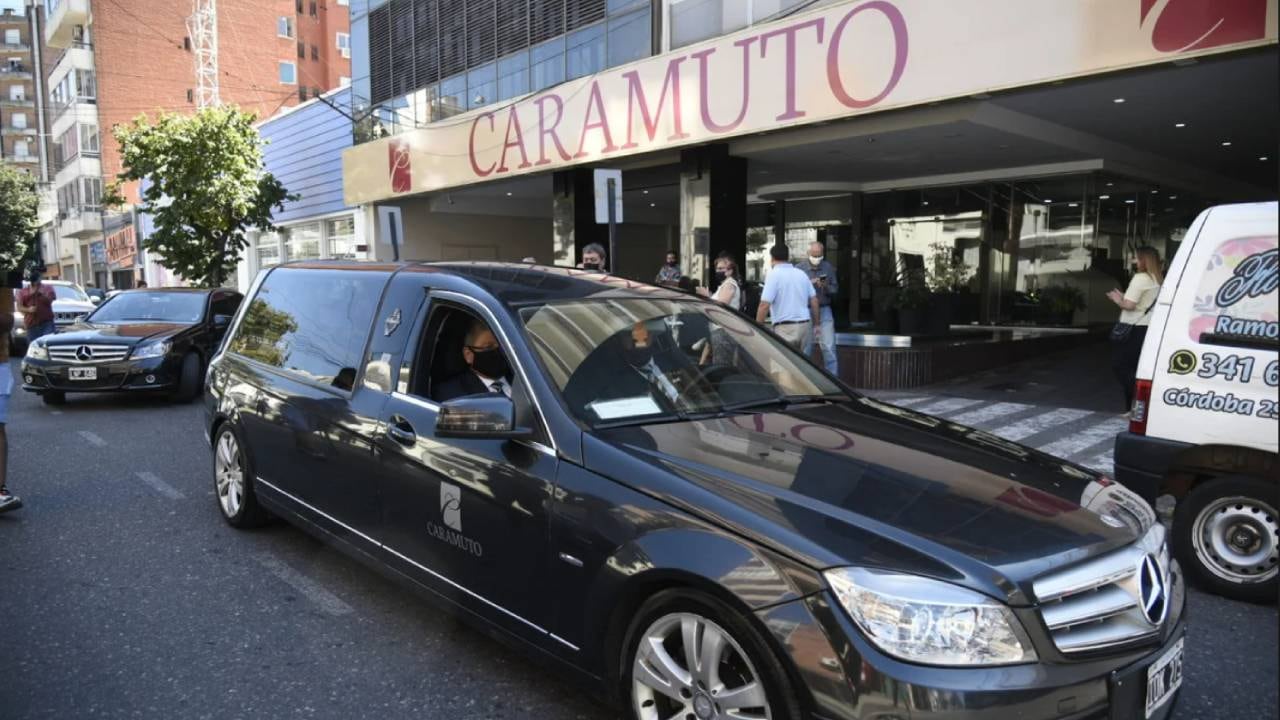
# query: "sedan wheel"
x,y
229,475
687,666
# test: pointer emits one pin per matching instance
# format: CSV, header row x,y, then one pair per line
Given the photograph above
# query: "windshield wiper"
x,y
783,402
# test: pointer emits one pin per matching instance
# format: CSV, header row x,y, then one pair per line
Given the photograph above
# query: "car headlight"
x,y
152,350
931,622
37,351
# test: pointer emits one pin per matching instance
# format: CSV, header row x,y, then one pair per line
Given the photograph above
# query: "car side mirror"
x,y
479,416
221,322
95,300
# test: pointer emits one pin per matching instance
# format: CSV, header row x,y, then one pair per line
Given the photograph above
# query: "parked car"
x,y
70,304
138,341
746,538
1205,423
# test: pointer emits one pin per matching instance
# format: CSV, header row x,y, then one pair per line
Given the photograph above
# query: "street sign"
x,y
602,177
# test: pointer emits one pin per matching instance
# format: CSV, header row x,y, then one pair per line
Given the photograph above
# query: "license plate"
x,y
1164,677
90,373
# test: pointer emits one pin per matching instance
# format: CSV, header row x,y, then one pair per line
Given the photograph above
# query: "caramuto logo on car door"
x,y
449,530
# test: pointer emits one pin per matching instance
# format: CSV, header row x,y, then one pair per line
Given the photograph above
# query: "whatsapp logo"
x,y
1182,362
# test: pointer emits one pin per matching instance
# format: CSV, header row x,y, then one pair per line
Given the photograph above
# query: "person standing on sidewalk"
x,y
670,273
1135,304
789,301
8,501
35,302
823,276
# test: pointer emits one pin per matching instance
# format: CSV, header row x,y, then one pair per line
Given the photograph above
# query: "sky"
x,y
15,4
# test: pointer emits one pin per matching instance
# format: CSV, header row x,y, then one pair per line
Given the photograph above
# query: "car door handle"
x,y
401,431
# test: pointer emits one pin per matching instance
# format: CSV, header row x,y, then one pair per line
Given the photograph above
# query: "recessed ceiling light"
x,y
646,192
1153,192
653,204
1110,184
508,194
1073,204
1118,100
1048,200
1179,125
924,202
1130,201
1226,143
1104,197
1173,197
1263,158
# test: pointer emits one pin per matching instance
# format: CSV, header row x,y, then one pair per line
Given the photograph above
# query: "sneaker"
x,y
9,502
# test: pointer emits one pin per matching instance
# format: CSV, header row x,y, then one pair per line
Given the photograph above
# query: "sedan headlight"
x,y
152,350
37,351
931,622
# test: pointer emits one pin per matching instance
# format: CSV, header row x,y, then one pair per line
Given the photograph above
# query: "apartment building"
x,y
113,61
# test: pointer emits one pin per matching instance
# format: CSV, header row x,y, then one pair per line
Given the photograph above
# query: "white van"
x,y
1204,425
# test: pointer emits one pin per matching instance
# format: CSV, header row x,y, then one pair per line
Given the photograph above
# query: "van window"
x,y
1236,297
311,322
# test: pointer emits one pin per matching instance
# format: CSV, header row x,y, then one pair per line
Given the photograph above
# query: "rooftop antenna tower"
x,y
203,28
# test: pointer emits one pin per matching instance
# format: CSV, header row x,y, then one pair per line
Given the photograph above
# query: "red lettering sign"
x,y
1185,25
398,166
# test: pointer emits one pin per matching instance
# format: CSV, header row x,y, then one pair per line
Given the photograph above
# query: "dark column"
x,y
574,216
779,224
713,212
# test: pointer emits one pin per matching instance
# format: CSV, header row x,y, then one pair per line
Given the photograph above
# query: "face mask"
x,y
720,276
639,355
815,261
590,266
671,264
490,363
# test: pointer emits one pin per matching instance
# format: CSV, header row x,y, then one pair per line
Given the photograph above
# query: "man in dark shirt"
x,y
35,302
487,367
823,276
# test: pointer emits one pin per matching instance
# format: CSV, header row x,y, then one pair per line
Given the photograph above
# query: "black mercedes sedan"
x,y
658,495
137,341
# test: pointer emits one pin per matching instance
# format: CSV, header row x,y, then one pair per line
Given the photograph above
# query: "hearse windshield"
x,y
623,361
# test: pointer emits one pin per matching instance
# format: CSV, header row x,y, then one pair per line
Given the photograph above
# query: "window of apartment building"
x,y
343,81
288,73
302,94
89,139
315,53
17,92
342,239
18,120
312,9
344,44
284,27
15,64
298,6
20,148
302,50
12,37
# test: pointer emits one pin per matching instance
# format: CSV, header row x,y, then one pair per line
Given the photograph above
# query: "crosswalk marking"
x,y
1102,462
910,401
988,413
1079,442
1038,423
950,405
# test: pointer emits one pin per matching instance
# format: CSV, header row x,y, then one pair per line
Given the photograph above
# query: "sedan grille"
x,y
1117,599
88,354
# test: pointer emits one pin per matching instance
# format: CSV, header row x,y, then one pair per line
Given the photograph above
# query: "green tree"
x,y
206,187
19,211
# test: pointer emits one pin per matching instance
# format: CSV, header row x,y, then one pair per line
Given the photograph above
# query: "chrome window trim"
x,y
505,340
417,564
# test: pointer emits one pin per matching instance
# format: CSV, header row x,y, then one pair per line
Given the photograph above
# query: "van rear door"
x,y
1214,368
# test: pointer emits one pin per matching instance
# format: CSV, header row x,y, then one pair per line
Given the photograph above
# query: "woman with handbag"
x,y
1135,304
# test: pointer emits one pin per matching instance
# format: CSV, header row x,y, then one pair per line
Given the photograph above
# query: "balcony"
x,y
15,72
15,48
18,132
63,17
83,165
84,110
17,102
80,222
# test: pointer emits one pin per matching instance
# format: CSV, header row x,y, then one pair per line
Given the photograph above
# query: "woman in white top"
x,y
1135,305
729,293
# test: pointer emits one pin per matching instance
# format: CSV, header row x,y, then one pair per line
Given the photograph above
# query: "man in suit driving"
x,y
487,367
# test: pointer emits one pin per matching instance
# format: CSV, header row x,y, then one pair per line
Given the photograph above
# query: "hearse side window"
x,y
441,369
313,323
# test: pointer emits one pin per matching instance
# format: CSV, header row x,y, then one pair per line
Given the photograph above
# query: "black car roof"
x,y
514,284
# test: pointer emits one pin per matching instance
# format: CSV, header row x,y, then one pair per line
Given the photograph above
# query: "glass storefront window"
x,y
513,75
586,51
547,60
342,239
629,37
482,86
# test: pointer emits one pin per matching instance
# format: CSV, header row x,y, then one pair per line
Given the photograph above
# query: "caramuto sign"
x,y
843,60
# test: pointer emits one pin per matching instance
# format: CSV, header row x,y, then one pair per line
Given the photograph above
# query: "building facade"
x,y
982,144
109,67
304,147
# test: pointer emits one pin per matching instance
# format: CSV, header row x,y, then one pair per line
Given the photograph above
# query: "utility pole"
x,y
203,27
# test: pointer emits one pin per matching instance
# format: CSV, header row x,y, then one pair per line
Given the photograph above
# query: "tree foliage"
x,y
206,188
19,214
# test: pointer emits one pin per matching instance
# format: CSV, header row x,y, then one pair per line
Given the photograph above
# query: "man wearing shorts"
x,y
8,501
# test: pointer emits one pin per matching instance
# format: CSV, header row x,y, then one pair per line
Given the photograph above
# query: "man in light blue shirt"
x,y
789,301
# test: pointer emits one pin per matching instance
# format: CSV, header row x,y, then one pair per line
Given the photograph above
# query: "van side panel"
x,y
1214,364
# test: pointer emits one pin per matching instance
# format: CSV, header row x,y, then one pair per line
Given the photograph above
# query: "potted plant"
x,y
911,300
1059,303
948,280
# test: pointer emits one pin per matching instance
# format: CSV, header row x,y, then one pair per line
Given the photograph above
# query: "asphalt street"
x,y
123,594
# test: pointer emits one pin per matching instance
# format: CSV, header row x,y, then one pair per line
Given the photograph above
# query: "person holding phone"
x,y
823,276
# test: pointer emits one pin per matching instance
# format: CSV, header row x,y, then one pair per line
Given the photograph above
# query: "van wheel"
x,y
54,397
233,481
1226,533
729,672
188,379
